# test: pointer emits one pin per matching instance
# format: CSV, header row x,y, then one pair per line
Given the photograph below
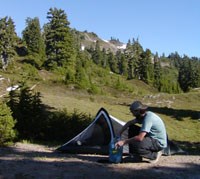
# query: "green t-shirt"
x,y
155,127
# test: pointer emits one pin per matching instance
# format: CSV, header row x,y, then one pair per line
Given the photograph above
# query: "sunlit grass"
x,y
180,108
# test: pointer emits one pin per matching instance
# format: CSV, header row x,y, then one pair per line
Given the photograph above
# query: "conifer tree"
x,y
112,62
97,55
175,59
29,113
188,76
13,102
7,123
104,62
146,67
59,41
8,41
194,66
35,43
137,51
81,77
122,63
157,72
129,56
133,54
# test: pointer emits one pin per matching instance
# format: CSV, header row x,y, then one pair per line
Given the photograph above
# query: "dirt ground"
x,y
24,161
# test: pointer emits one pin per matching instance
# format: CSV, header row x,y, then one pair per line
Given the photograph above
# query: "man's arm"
x,y
139,137
126,126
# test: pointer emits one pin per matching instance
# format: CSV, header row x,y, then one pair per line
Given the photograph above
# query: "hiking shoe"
x,y
157,158
133,159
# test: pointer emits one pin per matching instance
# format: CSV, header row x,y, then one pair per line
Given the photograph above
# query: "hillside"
x,y
89,39
180,112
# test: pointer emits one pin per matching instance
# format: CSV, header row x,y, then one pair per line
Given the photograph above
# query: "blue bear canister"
x,y
115,154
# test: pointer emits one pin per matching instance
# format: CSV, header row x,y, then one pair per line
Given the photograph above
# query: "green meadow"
x,y
180,112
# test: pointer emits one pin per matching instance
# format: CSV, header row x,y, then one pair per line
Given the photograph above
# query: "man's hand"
x,y
120,143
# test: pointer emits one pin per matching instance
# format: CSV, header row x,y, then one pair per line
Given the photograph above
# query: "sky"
x,y
163,26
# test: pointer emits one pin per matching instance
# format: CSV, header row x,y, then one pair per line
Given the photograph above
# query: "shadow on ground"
x,y
15,163
177,114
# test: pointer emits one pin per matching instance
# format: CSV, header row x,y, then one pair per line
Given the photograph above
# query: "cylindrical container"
x,y
115,154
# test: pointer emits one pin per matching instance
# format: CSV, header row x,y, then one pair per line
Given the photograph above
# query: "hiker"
x,y
148,140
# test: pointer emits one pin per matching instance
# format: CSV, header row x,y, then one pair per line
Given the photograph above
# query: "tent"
x,y
96,137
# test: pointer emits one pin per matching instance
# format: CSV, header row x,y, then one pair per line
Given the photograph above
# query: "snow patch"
x,y
122,46
12,88
82,47
106,41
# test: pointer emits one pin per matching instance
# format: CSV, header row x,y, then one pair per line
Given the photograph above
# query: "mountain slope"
x,y
89,39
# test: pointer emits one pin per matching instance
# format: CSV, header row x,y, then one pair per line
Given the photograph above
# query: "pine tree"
x,y
194,66
188,76
112,62
13,102
29,112
97,55
8,41
145,67
137,52
59,41
157,72
133,54
122,63
104,61
129,56
175,59
35,43
7,123
81,77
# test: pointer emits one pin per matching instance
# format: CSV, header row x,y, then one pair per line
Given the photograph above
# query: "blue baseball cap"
x,y
136,105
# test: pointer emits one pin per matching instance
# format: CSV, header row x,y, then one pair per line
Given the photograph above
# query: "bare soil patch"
x,y
26,161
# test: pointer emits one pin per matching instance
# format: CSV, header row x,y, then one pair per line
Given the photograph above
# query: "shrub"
x,y
63,126
7,123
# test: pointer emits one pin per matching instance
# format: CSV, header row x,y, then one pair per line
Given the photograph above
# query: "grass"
x,y
180,112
